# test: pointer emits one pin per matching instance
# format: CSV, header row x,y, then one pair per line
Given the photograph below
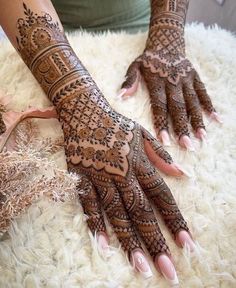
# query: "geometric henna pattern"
x,y
103,146
174,86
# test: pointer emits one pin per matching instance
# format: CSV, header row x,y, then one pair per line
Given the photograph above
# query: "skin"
x,y
174,85
116,157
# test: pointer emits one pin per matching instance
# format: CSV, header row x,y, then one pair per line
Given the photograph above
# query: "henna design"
x,y
202,94
166,70
2,124
157,191
100,144
157,147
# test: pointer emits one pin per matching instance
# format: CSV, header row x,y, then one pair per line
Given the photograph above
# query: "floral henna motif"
x,y
165,48
100,144
94,144
169,75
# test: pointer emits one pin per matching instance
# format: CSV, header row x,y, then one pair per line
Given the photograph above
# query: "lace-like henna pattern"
x,y
167,71
158,192
100,144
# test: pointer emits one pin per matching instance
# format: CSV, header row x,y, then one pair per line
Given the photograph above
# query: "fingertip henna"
x,y
91,205
202,94
159,193
177,109
100,143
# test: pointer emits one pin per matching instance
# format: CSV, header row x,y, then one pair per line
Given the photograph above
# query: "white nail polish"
x,y
165,138
121,93
141,264
186,142
216,117
201,134
186,240
182,170
168,270
172,282
103,243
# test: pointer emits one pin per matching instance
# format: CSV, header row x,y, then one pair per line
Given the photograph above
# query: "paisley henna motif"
x,y
106,148
173,83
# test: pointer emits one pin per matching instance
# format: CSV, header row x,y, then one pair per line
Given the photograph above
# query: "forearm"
x,y
34,29
167,24
172,9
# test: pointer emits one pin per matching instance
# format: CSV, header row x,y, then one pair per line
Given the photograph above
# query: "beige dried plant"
x,y
23,174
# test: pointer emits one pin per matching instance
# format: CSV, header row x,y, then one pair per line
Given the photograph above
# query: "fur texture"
x,y
50,246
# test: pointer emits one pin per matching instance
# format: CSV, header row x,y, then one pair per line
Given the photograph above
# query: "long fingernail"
x,y
102,242
216,117
167,269
201,134
181,170
186,142
186,240
121,93
165,138
141,264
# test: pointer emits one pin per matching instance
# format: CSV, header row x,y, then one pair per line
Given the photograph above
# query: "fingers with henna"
x,y
205,99
145,223
159,157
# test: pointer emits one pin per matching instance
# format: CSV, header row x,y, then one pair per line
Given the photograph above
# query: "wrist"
x,y
46,51
166,39
166,29
173,9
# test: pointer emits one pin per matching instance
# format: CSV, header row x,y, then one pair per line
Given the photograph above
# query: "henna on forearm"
x,y
48,54
166,29
173,83
100,144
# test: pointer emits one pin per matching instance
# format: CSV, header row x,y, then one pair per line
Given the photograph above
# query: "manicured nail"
x,y
141,264
103,242
216,117
165,138
181,170
121,93
186,142
186,240
177,170
167,269
201,134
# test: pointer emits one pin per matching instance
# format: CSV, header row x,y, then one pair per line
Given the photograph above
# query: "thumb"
x,y
159,156
130,85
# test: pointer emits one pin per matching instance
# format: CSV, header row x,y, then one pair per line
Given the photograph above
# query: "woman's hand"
x,y
173,84
116,157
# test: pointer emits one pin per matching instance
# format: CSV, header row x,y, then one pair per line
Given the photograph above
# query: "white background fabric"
x,y
49,246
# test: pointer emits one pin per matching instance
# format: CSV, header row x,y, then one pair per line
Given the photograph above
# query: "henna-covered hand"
x,y
174,85
2,124
116,157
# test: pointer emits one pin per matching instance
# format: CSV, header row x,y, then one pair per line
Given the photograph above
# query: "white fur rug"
x,y
50,246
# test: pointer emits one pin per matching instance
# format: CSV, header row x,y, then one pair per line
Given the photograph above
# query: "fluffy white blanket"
x,y
50,245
